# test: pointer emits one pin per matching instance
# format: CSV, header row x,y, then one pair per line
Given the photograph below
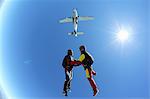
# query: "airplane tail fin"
x,y
70,33
76,34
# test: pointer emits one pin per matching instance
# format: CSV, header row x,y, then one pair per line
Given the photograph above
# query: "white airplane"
x,y
74,19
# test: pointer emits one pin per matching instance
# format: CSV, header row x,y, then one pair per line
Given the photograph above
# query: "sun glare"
x,y
122,35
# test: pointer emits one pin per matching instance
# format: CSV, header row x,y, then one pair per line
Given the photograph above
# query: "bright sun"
x,y
122,35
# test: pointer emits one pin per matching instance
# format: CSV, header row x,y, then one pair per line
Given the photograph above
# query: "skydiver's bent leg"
x,y
91,81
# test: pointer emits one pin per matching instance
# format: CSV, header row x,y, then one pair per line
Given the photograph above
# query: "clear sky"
x,y
33,44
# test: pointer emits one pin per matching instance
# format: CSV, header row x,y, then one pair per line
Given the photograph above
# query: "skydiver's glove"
x,y
78,63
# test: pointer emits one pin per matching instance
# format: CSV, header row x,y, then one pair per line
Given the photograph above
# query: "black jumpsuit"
x,y
68,73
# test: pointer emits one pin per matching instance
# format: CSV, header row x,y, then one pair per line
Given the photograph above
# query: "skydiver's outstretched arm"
x,y
75,63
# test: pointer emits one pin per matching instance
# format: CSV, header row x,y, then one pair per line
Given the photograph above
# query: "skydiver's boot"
x,y
95,92
65,93
93,72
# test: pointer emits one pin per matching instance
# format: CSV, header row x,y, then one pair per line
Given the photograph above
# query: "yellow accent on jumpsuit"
x,y
81,58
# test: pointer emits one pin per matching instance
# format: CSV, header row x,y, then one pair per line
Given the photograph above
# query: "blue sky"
x,y
34,44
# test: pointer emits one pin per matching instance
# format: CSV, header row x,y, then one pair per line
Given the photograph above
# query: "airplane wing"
x,y
80,33
85,18
66,20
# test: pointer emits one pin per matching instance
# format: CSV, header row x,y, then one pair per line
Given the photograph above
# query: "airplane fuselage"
x,y
75,20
